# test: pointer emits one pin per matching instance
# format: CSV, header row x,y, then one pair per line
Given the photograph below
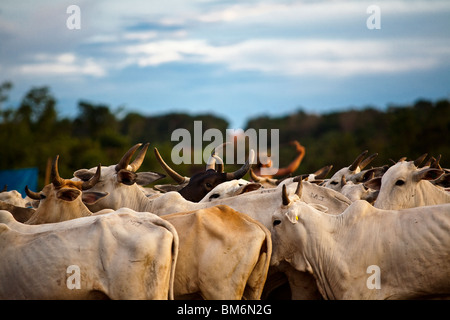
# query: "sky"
x,y
234,59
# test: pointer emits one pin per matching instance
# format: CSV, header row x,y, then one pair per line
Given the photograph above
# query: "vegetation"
x,y
33,132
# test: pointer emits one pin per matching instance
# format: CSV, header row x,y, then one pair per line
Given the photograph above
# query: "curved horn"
x,y
55,178
285,196
323,172
238,174
92,181
211,164
254,176
357,161
136,164
33,195
420,159
123,163
435,163
368,160
172,173
219,161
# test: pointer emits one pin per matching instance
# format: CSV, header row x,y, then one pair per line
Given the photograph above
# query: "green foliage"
x,y
32,133
337,138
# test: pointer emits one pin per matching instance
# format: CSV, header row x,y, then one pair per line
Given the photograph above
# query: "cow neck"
x,y
427,194
318,252
59,211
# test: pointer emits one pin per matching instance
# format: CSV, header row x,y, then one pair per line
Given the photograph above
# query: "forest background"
x,y
33,132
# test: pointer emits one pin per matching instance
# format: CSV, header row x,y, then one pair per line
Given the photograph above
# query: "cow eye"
x,y
214,196
399,182
209,185
334,182
276,222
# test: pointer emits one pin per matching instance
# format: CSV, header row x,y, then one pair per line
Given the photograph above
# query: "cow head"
x,y
288,228
60,200
196,187
121,180
358,164
406,185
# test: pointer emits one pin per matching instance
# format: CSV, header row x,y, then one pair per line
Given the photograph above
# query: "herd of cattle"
x,y
378,233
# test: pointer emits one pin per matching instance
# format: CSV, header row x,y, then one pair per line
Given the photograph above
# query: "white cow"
x,y
358,164
358,191
13,197
405,186
63,199
224,254
259,204
120,255
365,252
229,189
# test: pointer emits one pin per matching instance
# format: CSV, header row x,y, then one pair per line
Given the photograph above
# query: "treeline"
x,y
33,132
338,137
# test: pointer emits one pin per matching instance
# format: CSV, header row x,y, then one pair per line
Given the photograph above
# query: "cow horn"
x,y
323,172
172,173
218,162
358,160
55,178
254,176
242,171
123,163
285,196
136,164
211,162
343,181
435,163
33,195
368,160
299,189
93,181
420,159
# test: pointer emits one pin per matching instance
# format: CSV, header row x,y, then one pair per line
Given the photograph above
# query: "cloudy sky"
x,y
237,59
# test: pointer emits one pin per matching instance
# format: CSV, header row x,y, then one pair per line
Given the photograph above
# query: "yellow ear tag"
x,y
296,218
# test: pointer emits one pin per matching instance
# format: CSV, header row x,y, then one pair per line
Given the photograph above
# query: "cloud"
x,y
299,11
315,57
61,64
299,46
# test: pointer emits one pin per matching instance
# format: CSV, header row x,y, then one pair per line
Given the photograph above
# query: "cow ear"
x,y
91,197
126,177
68,194
428,174
374,183
145,178
168,187
371,197
292,216
83,174
249,187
